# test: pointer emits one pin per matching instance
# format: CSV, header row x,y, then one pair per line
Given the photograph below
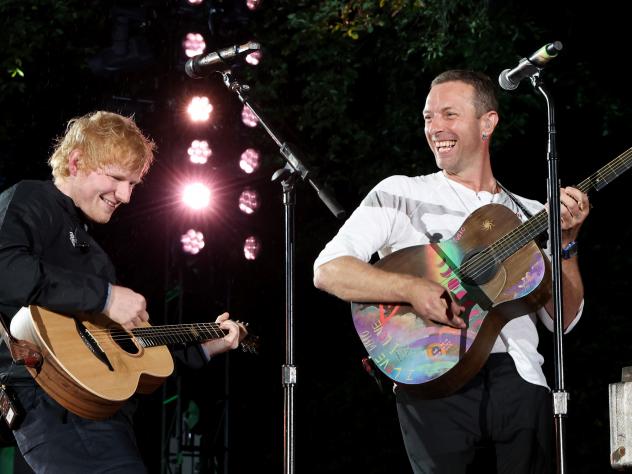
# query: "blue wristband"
x,y
570,250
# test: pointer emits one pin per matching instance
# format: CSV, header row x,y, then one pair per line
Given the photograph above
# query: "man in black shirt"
x,y
48,259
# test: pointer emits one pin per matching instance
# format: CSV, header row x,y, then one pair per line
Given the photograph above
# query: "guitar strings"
x,y
169,334
175,327
191,331
148,332
527,231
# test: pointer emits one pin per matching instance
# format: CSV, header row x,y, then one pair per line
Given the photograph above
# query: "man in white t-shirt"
x,y
508,402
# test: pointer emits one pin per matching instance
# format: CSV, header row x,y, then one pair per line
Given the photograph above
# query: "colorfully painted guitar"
x,y
91,365
492,267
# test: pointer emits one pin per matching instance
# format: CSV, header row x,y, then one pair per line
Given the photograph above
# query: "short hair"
x,y
484,89
104,138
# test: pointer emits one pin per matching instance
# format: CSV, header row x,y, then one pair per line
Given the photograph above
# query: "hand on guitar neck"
x,y
236,333
573,212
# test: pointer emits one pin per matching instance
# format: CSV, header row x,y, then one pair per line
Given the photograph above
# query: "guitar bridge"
x,y
93,345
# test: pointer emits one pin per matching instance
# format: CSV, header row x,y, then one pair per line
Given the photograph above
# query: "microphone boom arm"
x,y
294,164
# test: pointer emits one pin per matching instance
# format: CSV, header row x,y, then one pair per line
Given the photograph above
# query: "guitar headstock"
x,y
248,342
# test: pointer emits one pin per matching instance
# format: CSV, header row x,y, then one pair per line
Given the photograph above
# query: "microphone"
x,y
527,67
199,66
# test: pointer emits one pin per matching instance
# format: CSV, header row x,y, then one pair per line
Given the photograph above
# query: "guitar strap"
x,y
22,352
11,410
544,237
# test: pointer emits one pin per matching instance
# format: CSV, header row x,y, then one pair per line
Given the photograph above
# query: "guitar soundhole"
x,y
477,268
124,340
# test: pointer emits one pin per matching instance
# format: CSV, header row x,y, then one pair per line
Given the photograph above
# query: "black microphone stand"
x,y
288,175
560,395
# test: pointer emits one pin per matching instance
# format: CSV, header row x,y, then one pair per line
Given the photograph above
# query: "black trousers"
x,y
55,441
497,408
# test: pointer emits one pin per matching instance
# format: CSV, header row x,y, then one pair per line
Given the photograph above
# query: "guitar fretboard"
x,y
608,173
177,334
513,241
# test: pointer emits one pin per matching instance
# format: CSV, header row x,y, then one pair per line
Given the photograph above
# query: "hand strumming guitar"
x,y
433,302
126,307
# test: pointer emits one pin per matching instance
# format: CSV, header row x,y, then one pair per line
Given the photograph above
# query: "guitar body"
x,y
433,360
75,377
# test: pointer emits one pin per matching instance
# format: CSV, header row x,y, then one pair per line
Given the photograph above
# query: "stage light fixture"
x,y
199,152
199,109
193,44
252,247
196,196
253,4
192,241
249,201
195,2
248,117
254,58
249,160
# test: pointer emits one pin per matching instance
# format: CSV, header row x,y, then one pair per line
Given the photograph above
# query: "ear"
x,y
73,162
489,120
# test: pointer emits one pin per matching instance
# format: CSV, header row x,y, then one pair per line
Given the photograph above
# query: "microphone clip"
x,y
233,85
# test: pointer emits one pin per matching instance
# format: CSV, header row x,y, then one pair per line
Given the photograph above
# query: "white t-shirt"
x,y
404,211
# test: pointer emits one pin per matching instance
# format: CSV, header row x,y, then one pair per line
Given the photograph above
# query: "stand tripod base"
x,y
620,398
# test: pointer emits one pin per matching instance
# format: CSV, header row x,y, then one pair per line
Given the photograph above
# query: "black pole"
x,y
227,433
288,175
289,369
560,396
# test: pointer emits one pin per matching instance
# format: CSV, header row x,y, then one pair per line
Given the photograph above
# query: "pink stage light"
x,y
249,201
199,109
248,118
199,152
195,2
254,58
192,241
249,160
252,247
193,44
196,196
253,4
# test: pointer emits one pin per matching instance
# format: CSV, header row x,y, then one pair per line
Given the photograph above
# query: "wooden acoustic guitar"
x,y
493,267
91,365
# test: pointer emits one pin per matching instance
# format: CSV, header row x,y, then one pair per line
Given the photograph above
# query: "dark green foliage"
x,y
353,76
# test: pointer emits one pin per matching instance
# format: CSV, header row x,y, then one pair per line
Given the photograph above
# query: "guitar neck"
x,y
536,225
608,173
177,334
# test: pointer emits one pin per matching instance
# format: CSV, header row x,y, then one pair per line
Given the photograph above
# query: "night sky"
x,y
344,420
